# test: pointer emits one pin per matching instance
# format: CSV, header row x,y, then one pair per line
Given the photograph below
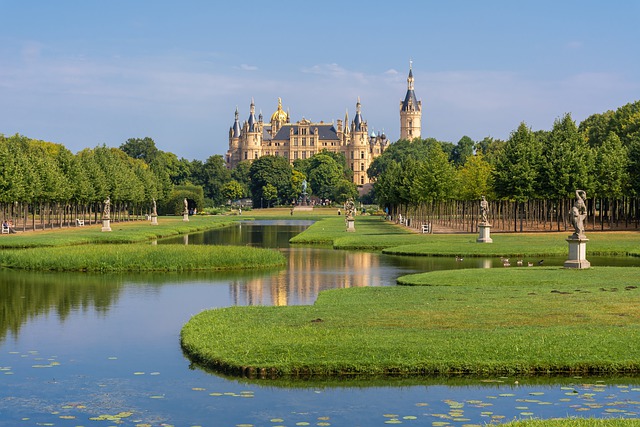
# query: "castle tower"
x,y
278,118
234,143
410,112
359,151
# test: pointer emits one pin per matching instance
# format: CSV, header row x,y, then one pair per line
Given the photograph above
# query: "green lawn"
x,y
122,232
89,249
373,233
492,322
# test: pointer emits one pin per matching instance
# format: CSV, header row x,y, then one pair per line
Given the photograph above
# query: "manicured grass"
x,y
576,422
621,243
140,257
373,233
569,321
122,232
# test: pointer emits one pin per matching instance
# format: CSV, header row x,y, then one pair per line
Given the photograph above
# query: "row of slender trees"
x,y
529,178
42,183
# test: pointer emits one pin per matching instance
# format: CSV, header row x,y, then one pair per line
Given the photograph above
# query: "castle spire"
x,y
410,111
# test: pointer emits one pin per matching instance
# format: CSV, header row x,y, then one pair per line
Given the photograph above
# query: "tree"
x,y
140,148
566,160
211,175
517,166
462,151
270,194
324,175
610,171
241,175
474,178
232,190
274,170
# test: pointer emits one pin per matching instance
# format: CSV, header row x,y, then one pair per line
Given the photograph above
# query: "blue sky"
x,y
87,73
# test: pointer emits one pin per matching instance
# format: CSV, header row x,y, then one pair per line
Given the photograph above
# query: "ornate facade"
x,y
255,138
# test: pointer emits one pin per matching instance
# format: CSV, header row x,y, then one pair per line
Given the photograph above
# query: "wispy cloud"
x,y
246,67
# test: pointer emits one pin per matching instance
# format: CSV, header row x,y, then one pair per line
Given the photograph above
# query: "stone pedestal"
x,y
484,236
351,225
106,225
154,219
185,217
577,252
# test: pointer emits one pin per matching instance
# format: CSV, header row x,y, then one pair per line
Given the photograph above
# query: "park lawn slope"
x,y
621,243
141,257
122,232
372,233
561,324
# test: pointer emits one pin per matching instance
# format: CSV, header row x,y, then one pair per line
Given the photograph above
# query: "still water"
x,y
103,350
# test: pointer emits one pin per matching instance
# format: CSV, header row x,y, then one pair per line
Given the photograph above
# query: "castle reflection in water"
x,y
309,271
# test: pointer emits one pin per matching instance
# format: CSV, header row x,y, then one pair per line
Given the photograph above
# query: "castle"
x,y
301,140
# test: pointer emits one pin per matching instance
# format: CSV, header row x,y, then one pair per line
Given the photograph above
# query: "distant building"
x,y
410,112
279,137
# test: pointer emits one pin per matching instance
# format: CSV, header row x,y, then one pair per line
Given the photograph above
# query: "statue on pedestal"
x,y
484,209
579,213
106,210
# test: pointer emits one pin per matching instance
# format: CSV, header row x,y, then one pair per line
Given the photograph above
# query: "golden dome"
x,y
279,115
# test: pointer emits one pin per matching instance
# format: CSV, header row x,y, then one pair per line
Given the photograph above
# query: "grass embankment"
x,y
495,322
139,257
373,233
89,249
122,232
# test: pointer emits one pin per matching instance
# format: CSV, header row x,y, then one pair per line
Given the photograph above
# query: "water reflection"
x,y
91,344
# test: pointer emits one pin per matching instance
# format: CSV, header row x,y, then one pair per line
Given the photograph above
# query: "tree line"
x,y
530,178
43,184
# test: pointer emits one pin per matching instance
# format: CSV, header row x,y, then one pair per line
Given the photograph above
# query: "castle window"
x,y
362,154
255,154
362,180
304,142
304,154
362,167
245,155
295,155
352,157
352,166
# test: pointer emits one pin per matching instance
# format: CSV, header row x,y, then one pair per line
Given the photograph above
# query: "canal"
x,y
102,350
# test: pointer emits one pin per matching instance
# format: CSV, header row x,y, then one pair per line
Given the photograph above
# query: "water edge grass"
x,y
575,422
122,232
141,257
558,326
374,233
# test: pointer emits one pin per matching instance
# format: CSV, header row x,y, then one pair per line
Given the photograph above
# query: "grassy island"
x,y
494,322
89,249
374,233
140,257
122,232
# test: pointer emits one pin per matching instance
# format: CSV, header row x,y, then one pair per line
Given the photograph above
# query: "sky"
x,y
88,73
